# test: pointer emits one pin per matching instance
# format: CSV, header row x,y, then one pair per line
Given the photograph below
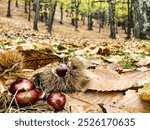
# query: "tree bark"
x,y
36,17
25,6
90,21
77,4
72,13
112,19
29,16
9,9
129,19
142,19
61,13
51,15
45,14
16,4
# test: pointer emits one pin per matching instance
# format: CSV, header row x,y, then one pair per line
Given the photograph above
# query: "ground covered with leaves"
x,y
118,70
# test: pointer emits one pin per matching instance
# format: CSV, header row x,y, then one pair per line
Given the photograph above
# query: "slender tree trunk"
x,y
9,9
51,15
36,17
100,21
112,19
142,19
16,4
72,13
45,14
90,21
77,4
61,13
29,16
25,6
129,19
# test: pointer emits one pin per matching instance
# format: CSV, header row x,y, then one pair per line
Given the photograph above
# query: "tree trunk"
x,y
112,19
51,15
142,19
77,4
29,16
16,4
61,13
72,13
9,9
129,19
45,14
25,6
90,21
36,17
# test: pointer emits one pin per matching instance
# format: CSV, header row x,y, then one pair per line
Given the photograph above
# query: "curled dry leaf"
x,y
34,59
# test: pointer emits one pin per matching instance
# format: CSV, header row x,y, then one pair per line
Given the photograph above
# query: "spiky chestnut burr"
x,y
5,99
11,63
73,80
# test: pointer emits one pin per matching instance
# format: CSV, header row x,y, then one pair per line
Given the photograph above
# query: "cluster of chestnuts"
x,y
26,94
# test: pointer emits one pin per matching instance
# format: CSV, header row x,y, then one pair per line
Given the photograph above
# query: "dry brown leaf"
x,y
35,59
110,109
101,80
132,103
144,61
104,80
100,98
74,105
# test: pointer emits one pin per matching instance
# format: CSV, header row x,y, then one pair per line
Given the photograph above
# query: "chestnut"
x,y
40,92
27,98
21,86
61,70
57,100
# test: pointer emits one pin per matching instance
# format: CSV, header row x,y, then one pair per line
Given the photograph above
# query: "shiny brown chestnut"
x,y
57,100
40,92
61,70
27,98
21,86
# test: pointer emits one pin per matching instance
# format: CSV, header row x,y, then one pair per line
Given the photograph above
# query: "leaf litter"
x,y
113,67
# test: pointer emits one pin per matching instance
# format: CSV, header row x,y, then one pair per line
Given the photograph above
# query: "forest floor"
x,y
122,62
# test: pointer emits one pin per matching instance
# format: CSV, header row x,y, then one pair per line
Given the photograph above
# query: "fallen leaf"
x,y
74,105
110,109
98,98
143,61
104,80
132,103
34,59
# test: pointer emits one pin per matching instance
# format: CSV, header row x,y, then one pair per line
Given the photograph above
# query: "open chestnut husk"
x,y
61,70
27,98
21,86
57,100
